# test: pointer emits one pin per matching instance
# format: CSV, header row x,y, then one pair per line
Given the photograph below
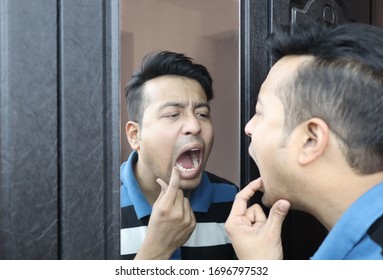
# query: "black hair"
x,y
342,84
161,64
357,41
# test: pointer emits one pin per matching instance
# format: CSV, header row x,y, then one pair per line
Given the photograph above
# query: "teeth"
x,y
195,165
195,161
181,168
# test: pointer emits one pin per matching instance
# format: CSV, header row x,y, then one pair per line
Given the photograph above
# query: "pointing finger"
x,y
169,192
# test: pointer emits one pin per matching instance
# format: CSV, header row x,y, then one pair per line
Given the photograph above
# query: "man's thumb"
x,y
278,213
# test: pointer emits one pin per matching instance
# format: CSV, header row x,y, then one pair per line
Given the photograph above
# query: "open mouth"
x,y
188,162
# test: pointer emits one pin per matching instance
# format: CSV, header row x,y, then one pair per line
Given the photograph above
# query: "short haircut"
x,y
342,85
158,64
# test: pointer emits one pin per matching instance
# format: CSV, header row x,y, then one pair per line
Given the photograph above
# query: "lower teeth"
x,y
181,168
195,165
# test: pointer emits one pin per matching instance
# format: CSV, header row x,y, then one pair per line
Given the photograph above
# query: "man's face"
x,y
176,130
272,153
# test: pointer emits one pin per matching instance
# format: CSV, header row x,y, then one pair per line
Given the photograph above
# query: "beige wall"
x,y
206,30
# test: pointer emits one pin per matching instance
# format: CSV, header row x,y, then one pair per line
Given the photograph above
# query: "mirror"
x,y
208,32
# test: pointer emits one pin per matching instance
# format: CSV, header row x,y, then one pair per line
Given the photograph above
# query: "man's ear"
x,y
133,134
316,137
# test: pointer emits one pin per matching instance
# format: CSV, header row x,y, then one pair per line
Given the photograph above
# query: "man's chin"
x,y
265,201
190,183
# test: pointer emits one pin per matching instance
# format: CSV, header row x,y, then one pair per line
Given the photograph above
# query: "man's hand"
x,y
253,235
171,223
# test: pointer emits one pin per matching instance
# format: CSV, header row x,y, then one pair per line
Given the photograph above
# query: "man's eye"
x,y
203,115
172,116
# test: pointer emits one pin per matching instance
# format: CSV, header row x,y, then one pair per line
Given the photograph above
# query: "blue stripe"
x,y
223,192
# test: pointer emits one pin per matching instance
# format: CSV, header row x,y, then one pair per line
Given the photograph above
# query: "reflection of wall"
x,y
126,69
206,30
224,159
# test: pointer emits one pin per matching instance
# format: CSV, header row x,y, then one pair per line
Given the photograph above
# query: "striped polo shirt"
x,y
211,202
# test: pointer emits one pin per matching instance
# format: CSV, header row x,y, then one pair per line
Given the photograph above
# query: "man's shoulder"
x,y
219,180
223,188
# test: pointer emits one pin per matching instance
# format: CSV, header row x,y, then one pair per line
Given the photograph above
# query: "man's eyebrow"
x,y
172,104
203,104
182,105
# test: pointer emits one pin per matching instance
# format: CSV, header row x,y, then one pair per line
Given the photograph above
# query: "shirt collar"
x,y
202,197
129,181
370,202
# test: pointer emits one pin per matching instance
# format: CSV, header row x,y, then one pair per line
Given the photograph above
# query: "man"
x,y
317,138
171,207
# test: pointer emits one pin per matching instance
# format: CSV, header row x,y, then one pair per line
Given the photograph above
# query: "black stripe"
x,y
128,257
219,252
218,213
376,232
129,218
216,179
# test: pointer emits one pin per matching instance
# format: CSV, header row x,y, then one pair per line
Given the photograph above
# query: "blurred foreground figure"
x,y
317,139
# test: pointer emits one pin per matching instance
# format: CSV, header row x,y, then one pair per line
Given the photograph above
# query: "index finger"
x,y
239,207
169,192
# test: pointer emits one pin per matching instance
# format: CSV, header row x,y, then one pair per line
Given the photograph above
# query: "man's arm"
x,y
171,223
253,235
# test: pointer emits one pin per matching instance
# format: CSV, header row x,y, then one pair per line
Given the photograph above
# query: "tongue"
x,y
185,161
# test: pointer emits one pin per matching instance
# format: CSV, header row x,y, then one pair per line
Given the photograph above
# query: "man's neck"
x,y
344,194
147,183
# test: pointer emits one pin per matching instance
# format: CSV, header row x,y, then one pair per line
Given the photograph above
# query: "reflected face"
x,y
176,130
269,148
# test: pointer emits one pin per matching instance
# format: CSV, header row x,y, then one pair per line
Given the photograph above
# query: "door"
x,y
301,234
187,27
59,136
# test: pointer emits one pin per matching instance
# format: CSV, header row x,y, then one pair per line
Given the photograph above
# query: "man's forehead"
x,y
176,95
172,86
284,69
291,63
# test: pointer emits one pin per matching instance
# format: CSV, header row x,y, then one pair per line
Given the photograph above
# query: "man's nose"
x,y
191,125
248,128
